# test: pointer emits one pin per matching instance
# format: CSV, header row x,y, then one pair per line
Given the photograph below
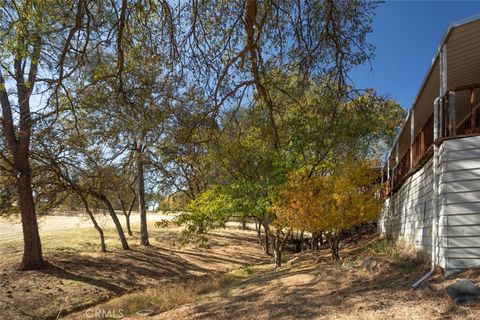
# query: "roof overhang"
x,y
462,41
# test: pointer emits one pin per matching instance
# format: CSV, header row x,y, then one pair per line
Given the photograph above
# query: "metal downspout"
x,y
436,109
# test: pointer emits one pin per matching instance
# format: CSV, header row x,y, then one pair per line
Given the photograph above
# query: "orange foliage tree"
x,y
331,203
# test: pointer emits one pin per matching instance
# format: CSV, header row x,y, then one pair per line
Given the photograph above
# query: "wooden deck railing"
x,y
402,168
412,157
420,149
422,142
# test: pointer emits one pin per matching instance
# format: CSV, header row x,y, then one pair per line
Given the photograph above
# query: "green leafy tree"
x,y
31,33
317,135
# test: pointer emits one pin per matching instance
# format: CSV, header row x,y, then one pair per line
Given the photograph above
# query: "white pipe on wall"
x,y
435,242
452,97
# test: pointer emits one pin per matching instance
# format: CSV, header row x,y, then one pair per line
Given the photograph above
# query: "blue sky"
x,y
406,35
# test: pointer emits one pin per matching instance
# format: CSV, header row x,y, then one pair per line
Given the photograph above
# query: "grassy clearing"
x,y
79,240
80,276
76,240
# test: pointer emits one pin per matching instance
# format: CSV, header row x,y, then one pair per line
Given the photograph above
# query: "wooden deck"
x,y
422,147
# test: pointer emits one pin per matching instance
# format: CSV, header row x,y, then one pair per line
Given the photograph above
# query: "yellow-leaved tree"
x,y
332,203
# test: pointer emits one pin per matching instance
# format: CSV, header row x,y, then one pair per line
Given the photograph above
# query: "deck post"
x,y
443,70
397,148
452,106
442,115
412,137
381,176
388,166
472,112
443,89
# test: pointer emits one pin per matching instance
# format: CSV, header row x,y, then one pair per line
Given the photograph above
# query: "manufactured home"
x,y
432,174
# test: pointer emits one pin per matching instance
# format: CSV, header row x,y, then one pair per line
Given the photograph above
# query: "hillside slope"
x,y
374,282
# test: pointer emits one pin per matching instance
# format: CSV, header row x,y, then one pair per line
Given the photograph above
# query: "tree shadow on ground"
x,y
74,279
62,273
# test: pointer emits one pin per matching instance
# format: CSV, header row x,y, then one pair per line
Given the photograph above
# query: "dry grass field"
x,y
79,276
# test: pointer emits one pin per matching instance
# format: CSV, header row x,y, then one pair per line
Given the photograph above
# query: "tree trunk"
x,y
129,229
127,213
320,235
18,141
244,223
267,242
114,217
357,234
312,247
301,240
263,222
278,258
141,197
95,224
278,247
32,248
314,241
277,250
258,227
19,146
334,241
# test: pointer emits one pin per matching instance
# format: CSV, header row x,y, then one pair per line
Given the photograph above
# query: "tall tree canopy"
x,y
221,101
42,43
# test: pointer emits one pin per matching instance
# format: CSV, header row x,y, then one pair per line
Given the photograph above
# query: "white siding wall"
x,y
407,215
459,196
